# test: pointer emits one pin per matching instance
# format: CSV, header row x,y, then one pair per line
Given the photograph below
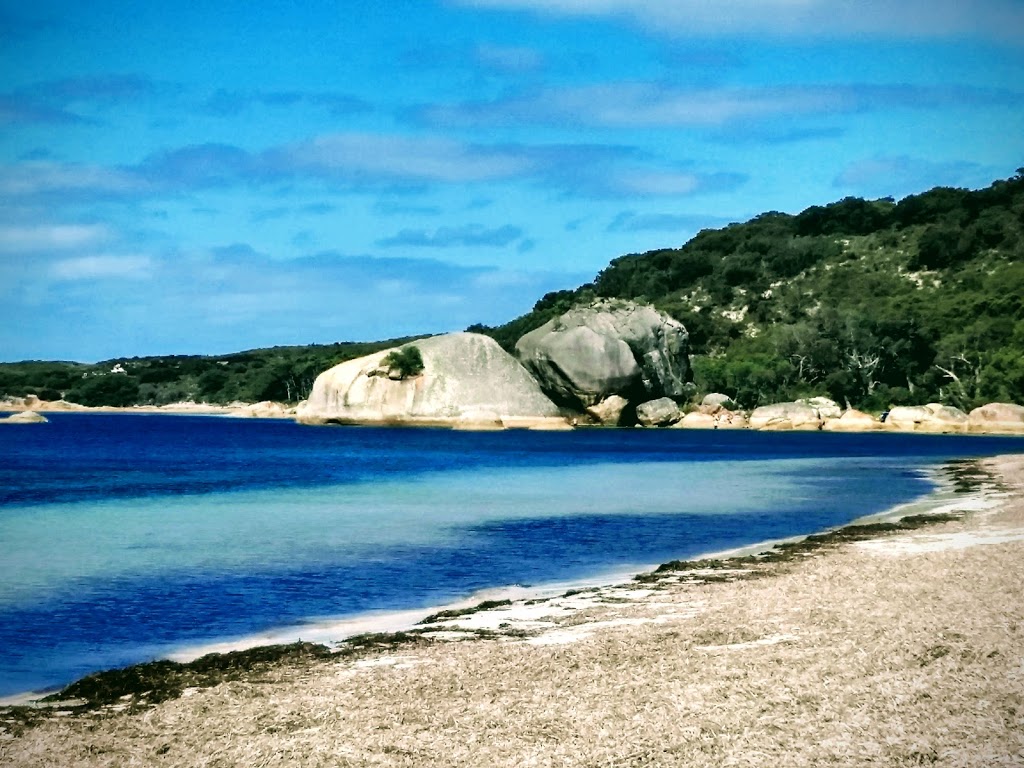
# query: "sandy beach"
x,y
903,648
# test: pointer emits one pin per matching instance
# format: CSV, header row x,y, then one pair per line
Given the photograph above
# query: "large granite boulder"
x,y
997,417
717,400
852,420
25,417
907,418
933,417
720,419
609,411
826,408
779,416
467,381
611,347
658,413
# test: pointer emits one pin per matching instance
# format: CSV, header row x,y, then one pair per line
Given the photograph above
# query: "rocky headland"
x,y
607,363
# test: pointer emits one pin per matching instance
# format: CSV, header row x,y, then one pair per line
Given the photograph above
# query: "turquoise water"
x,y
125,538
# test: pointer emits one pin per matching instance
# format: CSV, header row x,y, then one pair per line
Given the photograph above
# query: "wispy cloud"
x,y
375,158
33,239
42,179
16,109
471,235
996,19
226,103
57,101
898,175
95,88
102,266
200,165
85,306
648,104
377,162
509,59
273,213
381,161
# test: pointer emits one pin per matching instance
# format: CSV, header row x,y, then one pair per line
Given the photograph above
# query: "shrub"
x,y
407,362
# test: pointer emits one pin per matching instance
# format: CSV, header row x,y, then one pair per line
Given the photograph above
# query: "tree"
x,y
111,389
405,362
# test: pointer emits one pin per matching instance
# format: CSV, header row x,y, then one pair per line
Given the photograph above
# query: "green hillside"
x,y
871,302
874,303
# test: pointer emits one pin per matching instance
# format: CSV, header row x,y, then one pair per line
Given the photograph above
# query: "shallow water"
x,y
127,537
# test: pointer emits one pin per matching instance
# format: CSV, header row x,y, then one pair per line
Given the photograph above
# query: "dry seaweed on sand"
x,y
454,613
751,566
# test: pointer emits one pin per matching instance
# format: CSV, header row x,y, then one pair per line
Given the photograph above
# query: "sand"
x,y
905,650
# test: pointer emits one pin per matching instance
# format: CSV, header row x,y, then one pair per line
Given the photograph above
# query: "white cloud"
x,y
102,266
645,104
21,240
372,156
41,178
999,19
658,183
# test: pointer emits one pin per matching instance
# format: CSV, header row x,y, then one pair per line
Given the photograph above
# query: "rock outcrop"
x,y
780,416
720,418
267,409
1004,418
608,348
609,411
467,380
852,420
827,409
25,417
717,400
934,417
658,413
697,420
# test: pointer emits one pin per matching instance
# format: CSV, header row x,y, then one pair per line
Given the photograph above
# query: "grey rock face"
x,y
609,348
716,399
466,378
658,413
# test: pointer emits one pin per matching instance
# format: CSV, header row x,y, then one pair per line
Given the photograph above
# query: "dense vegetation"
x,y
284,374
873,303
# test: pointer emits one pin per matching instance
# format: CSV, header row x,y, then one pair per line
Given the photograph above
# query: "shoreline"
x,y
333,633
895,645
276,411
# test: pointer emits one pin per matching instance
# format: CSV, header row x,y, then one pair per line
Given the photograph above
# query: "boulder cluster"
x,y
611,363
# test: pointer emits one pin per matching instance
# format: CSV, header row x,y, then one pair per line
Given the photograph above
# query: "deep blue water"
x,y
125,537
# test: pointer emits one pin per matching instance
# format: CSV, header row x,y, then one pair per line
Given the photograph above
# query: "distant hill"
x,y
872,302
284,374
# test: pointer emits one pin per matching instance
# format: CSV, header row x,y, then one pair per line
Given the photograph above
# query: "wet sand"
x,y
901,649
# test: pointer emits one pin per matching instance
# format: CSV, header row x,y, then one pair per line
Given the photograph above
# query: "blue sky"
x,y
211,177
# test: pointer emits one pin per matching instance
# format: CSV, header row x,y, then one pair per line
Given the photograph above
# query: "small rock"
x,y
658,413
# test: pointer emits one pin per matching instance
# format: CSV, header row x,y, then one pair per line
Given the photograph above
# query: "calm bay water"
x,y
126,537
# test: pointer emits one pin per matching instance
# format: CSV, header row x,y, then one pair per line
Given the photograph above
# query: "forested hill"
x,y
872,302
